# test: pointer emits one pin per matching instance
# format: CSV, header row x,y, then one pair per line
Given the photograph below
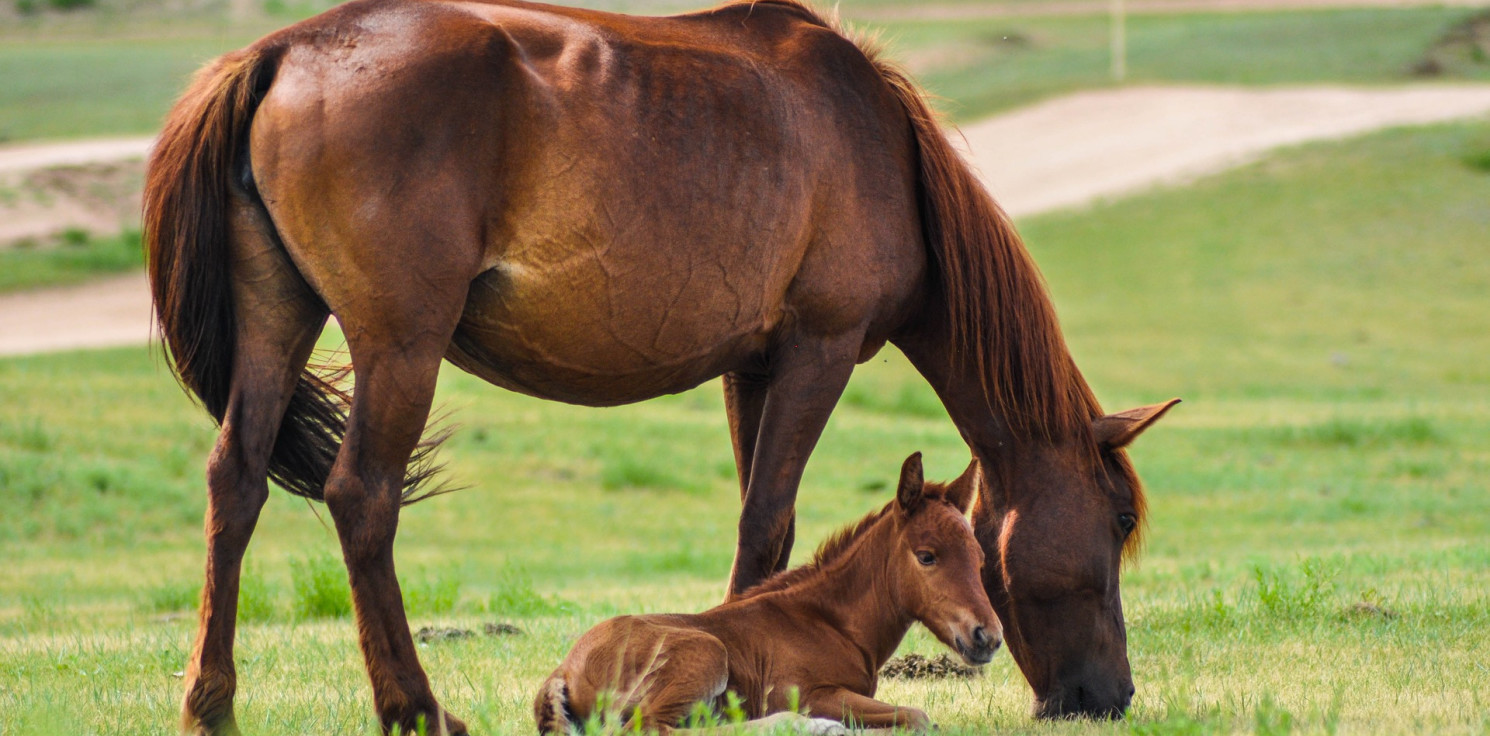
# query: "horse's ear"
x,y
1118,430
912,484
962,491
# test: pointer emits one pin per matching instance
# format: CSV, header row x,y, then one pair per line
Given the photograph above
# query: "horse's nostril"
x,y
980,637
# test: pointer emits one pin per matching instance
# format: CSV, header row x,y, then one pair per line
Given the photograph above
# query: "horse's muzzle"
x,y
1086,701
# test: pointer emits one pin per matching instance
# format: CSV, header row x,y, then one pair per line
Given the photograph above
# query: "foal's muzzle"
x,y
978,646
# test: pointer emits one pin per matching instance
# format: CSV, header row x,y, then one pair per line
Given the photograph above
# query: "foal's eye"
x,y
1127,522
926,558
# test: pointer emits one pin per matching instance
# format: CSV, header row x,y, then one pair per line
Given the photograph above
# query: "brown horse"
x,y
599,209
822,630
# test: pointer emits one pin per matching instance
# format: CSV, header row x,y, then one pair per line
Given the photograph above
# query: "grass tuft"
x,y
1284,595
78,256
172,598
257,598
1342,432
513,595
430,594
321,589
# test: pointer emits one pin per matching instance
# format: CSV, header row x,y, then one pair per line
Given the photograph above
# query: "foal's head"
x,y
936,565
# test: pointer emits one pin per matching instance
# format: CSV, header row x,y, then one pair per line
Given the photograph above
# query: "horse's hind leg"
x,y
278,320
397,345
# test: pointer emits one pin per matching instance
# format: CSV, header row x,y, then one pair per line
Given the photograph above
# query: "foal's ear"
x,y
962,491
1118,430
912,484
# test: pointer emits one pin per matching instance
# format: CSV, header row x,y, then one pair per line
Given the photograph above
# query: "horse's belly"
x,y
597,339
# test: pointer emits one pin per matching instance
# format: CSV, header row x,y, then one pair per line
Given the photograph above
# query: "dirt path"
x,y
1093,145
1061,153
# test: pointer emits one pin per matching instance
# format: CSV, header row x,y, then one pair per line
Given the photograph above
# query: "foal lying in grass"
x,y
821,630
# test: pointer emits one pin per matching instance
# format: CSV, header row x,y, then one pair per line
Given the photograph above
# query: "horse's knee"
x,y
365,519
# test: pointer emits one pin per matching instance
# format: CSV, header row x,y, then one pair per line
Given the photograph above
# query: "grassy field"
x,y
77,257
992,64
96,76
1317,557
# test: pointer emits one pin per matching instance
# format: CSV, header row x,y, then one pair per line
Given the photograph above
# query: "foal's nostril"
x,y
981,639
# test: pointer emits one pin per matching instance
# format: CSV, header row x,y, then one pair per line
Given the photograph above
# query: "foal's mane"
x,y
836,546
1002,322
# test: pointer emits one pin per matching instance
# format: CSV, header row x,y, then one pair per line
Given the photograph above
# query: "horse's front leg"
x,y
391,400
807,375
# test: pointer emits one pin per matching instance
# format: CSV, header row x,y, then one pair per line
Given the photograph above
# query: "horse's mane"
x,y
1002,321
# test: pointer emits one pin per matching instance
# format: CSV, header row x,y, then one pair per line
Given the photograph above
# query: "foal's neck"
x,y
856,595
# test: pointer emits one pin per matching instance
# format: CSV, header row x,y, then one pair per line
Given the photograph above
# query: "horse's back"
x,y
637,204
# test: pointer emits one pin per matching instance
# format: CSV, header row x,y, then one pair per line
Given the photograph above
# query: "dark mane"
x,y
835,546
997,305
831,549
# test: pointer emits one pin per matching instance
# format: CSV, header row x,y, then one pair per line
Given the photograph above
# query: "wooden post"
x,y
1119,41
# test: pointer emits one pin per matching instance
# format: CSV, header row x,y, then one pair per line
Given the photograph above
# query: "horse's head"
x,y
1056,522
936,563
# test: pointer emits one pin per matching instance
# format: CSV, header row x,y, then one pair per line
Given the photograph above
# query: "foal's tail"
x,y
199,166
551,708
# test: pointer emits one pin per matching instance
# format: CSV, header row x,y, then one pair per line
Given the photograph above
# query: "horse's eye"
x,y
1127,522
926,558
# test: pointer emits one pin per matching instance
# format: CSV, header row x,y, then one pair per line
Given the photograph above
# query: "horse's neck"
x,y
854,594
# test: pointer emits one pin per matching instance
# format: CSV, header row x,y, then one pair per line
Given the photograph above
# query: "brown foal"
x,y
600,209
822,630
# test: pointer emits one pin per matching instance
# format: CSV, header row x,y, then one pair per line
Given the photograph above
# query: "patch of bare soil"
x,y
429,634
1464,47
1365,610
40,206
916,667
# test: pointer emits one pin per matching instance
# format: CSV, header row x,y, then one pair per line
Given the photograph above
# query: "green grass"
x,y
118,75
77,87
1316,559
75,258
987,65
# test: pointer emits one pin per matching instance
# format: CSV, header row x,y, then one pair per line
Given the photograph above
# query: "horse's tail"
x,y
1001,319
199,164
551,708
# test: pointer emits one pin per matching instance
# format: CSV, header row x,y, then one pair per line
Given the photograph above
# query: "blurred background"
x,y
1278,210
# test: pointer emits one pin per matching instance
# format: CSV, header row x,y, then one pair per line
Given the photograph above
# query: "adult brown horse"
x,y
822,630
599,209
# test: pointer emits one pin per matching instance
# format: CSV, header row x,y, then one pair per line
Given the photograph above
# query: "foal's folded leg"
x,y
864,712
688,667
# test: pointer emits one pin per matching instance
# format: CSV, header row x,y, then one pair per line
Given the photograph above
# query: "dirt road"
x,y
1061,153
